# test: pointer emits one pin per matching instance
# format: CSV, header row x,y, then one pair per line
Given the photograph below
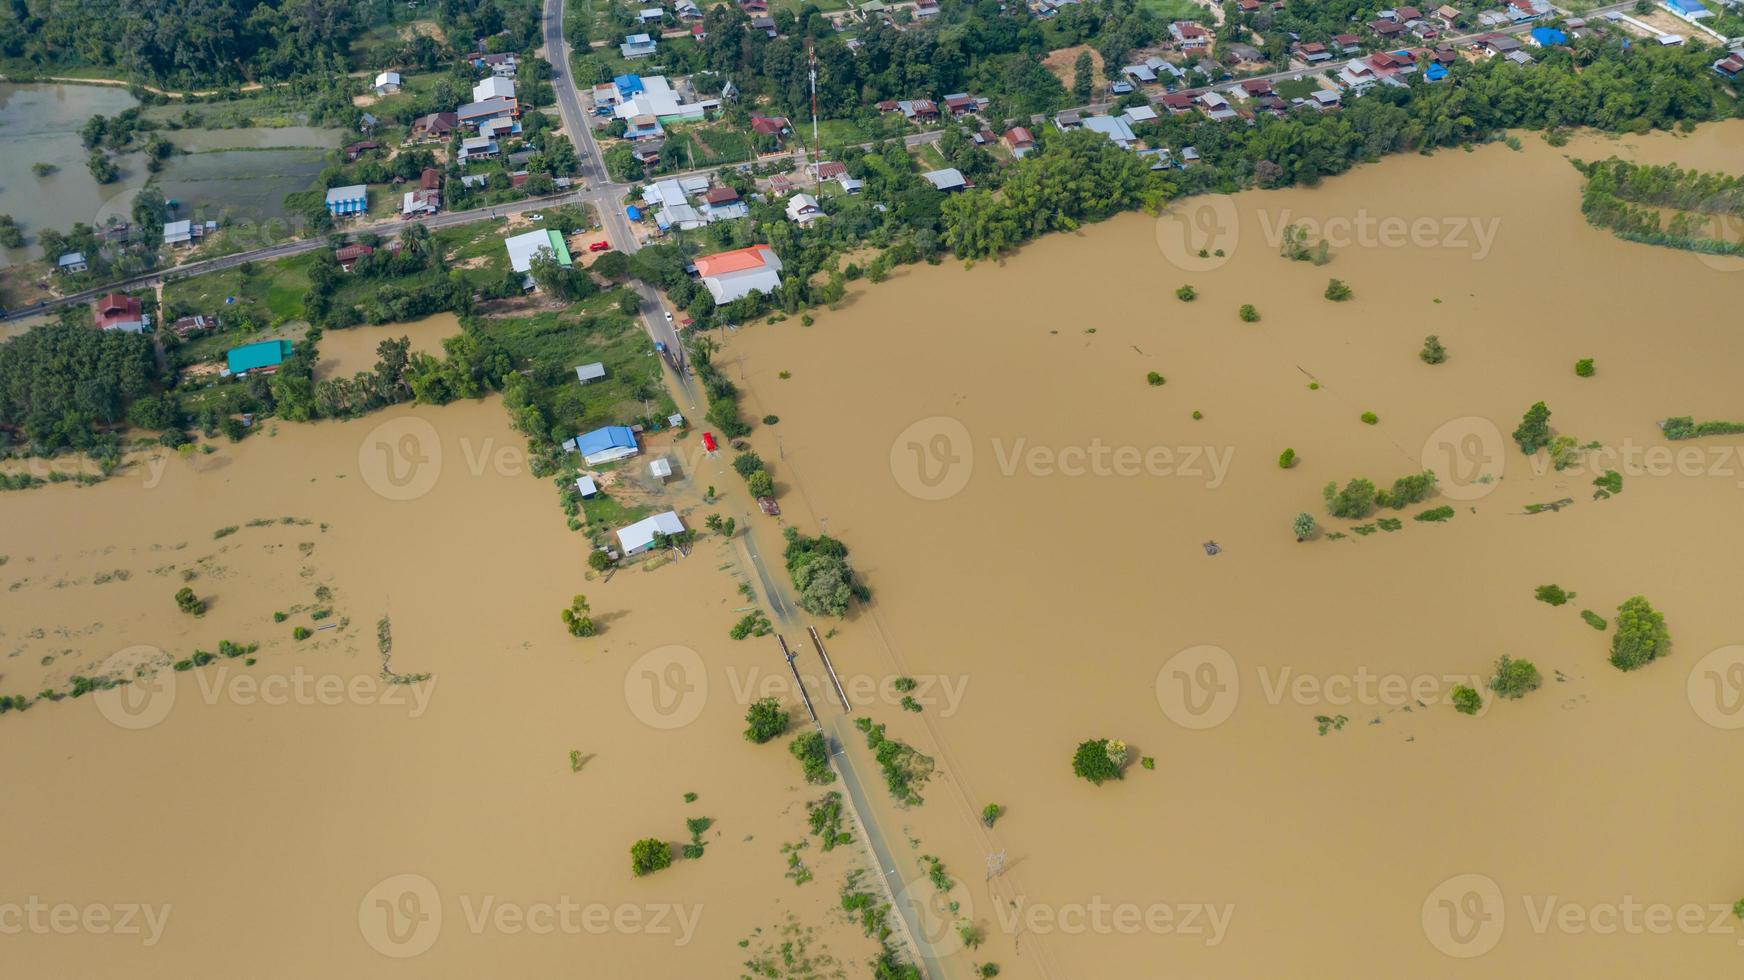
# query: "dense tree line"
x,y
61,383
194,43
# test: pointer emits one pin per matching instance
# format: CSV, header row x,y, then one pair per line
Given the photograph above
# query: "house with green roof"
x,y
263,357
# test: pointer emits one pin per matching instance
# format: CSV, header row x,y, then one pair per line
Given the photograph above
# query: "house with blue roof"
x,y
1544,37
1435,72
605,445
629,86
1690,10
344,201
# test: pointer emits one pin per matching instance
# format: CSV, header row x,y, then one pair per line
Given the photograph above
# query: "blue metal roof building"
x,y
606,444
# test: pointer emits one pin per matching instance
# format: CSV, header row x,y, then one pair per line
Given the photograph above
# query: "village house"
x,y
1346,43
476,114
918,110
186,326
1238,53
359,148
1448,16
1388,30
71,263
494,87
637,46
948,180
119,311
386,83
775,126
828,169
435,126
420,203
1189,36
478,148
347,255
722,204
1215,107
1731,66
607,444
731,275
589,373
1116,128
1019,141
260,357
1312,52
640,536
963,104
1068,119
802,209
186,231
1178,103
522,249
765,24
924,9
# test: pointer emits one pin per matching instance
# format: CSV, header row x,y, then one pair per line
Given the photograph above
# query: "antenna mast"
x,y
816,150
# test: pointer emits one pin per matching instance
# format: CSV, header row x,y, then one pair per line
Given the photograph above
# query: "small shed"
x,y
660,469
585,486
590,372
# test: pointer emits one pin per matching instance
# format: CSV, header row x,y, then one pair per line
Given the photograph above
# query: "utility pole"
x,y
816,151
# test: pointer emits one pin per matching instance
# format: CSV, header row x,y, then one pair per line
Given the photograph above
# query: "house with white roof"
x,y
636,46
494,87
657,99
386,83
639,537
802,209
948,179
522,248
588,373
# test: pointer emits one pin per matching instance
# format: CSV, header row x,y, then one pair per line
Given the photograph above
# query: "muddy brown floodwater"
x,y
1030,514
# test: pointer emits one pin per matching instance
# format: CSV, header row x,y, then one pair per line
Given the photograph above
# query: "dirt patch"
x,y
1063,63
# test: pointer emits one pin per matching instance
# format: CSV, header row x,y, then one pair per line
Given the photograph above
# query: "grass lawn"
x,y
929,157
274,289
1292,89
552,344
707,144
1174,9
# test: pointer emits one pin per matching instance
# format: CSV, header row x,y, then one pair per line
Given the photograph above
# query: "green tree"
x,y
1533,432
1337,290
813,756
1093,761
1432,352
649,855
1084,77
1355,501
760,483
1514,678
1286,459
1248,313
1466,700
576,617
1303,526
766,719
1641,636
190,603
991,813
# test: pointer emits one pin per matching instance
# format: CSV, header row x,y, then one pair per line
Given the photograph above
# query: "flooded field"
x,y
346,352
243,174
41,124
1031,515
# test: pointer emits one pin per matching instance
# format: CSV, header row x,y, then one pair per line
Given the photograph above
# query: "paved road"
x,y
297,247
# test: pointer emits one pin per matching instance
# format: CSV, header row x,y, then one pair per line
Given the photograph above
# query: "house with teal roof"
x,y
261,357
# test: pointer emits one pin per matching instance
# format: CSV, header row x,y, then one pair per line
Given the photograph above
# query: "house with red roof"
x,y
119,311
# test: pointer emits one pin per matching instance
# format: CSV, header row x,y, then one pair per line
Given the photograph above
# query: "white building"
x,y
590,372
731,275
639,537
802,209
494,87
387,83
